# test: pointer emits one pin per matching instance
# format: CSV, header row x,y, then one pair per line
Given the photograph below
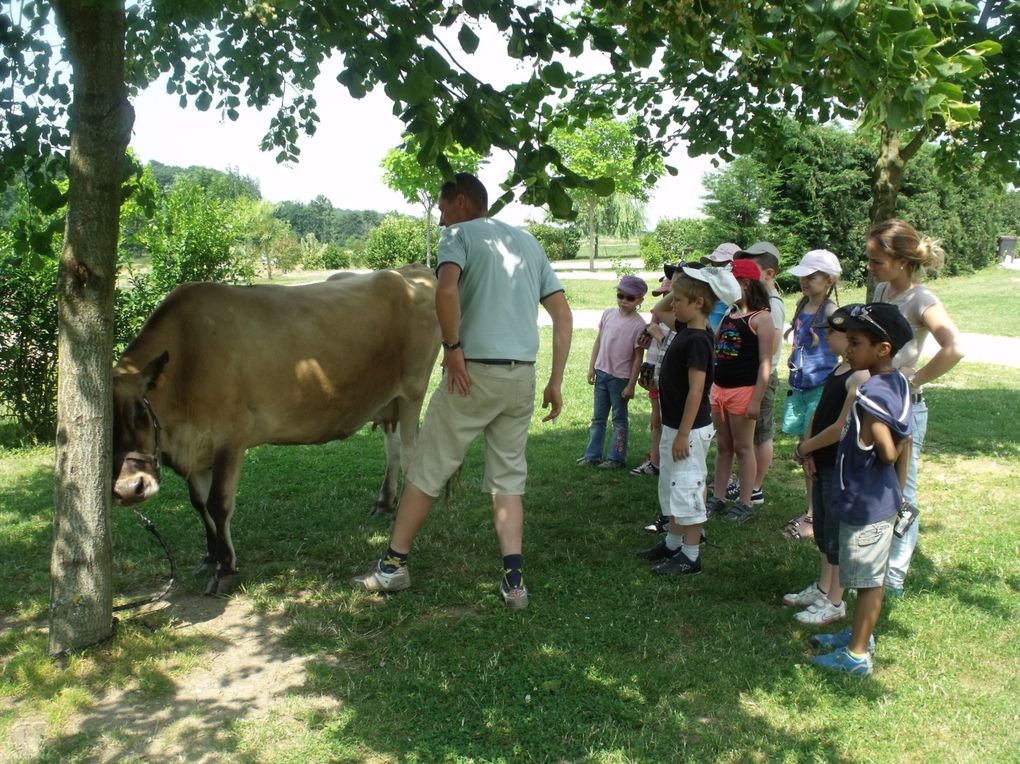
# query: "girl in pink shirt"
x,y
613,370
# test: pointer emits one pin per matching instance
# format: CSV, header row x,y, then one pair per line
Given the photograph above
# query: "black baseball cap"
x,y
880,318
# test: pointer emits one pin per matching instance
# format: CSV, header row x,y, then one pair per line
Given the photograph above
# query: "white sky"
x,y
341,161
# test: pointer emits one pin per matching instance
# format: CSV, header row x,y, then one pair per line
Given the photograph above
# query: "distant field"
x,y
981,303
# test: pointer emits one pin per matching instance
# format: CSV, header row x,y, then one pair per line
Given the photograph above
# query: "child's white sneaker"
x,y
821,614
806,597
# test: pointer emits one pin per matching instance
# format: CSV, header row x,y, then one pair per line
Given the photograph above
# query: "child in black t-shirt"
x,y
684,382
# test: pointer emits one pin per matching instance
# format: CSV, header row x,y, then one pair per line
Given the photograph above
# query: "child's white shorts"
x,y
682,484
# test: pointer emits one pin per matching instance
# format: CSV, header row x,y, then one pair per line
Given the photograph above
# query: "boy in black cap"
x,y
871,467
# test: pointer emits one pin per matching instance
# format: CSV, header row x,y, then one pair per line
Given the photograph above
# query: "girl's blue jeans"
x,y
903,548
608,395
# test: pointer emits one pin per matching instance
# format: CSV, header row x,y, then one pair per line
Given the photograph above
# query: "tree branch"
x,y
915,144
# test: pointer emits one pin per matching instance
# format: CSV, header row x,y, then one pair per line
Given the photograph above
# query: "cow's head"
x,y
137,453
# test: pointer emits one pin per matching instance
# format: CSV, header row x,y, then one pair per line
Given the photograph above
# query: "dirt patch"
x,y
244,677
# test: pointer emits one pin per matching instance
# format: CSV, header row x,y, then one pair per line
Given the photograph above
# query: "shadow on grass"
x,y
607,663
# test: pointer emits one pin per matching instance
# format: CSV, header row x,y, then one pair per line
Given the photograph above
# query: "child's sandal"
x,y
799,528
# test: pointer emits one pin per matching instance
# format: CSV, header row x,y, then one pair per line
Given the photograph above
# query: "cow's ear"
x,y
153,375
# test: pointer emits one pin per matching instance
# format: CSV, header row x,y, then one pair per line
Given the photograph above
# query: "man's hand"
x,y
681,448
552,399
591,376
628,392
457,378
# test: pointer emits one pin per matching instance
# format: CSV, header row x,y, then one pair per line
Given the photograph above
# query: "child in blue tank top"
x,y
810,360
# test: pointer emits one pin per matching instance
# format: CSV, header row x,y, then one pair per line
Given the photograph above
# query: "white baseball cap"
x,y
722,281
817,260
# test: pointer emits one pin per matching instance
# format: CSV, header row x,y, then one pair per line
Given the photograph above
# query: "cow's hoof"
x,y
222,586
380,509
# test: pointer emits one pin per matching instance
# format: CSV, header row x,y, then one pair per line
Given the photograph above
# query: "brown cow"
x,y
217,369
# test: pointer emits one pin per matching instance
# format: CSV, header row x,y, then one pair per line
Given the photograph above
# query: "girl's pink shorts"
x,y
728,401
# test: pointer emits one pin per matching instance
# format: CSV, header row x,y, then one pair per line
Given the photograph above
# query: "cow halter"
x,y
156,457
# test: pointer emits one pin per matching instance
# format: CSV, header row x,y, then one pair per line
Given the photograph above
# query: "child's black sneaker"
x,y
678,565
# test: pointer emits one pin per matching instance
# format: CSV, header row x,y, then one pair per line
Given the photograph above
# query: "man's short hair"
x,y
766,260
467,184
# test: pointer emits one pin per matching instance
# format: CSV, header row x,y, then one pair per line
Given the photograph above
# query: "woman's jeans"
x,y
608,394
903,548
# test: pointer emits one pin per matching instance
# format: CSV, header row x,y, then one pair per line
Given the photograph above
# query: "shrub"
x,y
191,237
559,242
673,239
398,240
28,339
325,257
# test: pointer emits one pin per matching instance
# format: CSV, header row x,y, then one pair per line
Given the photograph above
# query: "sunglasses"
x,y
627,297
862,313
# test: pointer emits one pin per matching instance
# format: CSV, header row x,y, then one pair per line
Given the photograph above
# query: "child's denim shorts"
x,y
864,553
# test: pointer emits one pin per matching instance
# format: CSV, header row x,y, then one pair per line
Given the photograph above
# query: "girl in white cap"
x,y
811,360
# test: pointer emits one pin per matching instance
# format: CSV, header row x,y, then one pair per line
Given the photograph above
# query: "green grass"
x,y
606,665
980,303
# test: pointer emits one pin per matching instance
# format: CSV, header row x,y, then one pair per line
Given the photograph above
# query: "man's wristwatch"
x,y
451,346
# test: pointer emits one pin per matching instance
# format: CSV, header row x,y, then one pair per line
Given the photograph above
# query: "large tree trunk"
x,y
101,119
887,179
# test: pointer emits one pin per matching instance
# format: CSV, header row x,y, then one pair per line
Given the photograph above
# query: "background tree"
x,y
264,240
911,71
420,184
605,152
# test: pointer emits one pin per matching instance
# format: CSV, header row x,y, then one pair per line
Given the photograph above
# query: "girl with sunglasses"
x,y
613,370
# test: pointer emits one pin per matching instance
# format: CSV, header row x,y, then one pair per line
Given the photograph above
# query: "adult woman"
x,y
897,256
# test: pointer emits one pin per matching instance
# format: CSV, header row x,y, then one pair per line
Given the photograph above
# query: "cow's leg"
x,y
199,485
220,506
387,499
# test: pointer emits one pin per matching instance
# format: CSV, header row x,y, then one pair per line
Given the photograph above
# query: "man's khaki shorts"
x,y
500,405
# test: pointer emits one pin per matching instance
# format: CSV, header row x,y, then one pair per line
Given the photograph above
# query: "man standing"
x,y
492,278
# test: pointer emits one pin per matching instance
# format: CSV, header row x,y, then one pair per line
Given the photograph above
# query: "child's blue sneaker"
x,y
841,660
840,639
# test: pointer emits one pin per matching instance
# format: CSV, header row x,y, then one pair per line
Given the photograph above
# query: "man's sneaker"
x,y
715,506
584,461
806,597
739,513
378,580
841,660
757,497
611,464
658,552
646,468
822,613
678,565
840,639
515,597
659,526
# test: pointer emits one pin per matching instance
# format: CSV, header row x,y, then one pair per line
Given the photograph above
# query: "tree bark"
x,y
592,241
100,123
887,179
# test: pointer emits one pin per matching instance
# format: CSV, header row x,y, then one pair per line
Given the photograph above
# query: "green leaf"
x,y
560,203
899,19
898,116
825,36
840,9
603,186
203,101
555,75
468,39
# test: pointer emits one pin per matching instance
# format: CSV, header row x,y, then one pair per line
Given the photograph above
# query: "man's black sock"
x,y
512,569
393,560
